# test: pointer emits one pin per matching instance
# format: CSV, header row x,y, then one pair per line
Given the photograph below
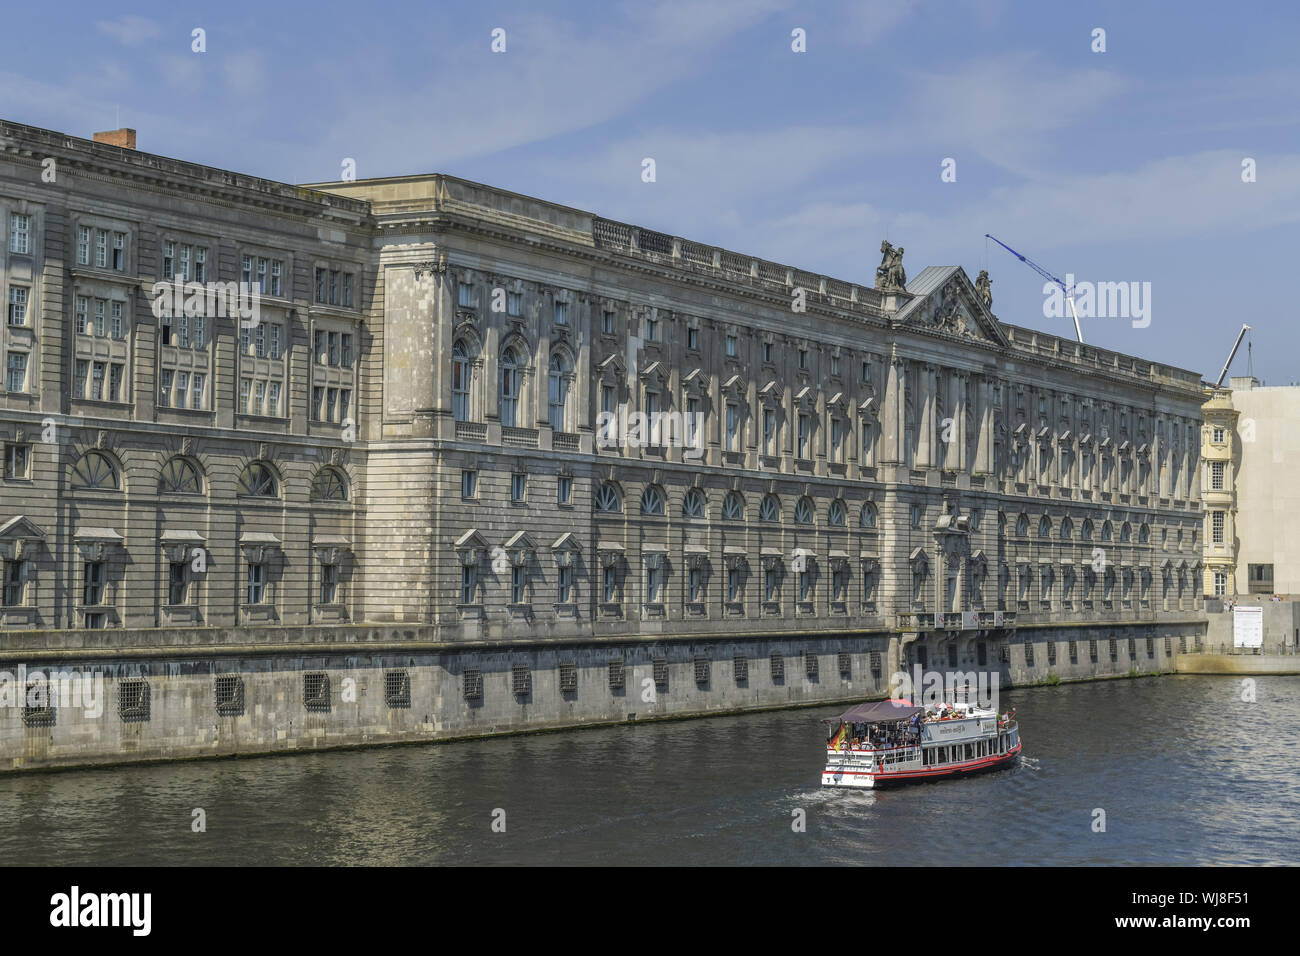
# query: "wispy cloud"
x,y
130,30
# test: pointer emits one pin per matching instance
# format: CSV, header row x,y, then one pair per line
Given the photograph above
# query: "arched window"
x,y
803,511
179,477
608,498
1044,527
835,515
1125,533
329,485
1105,531
460,379
1022,526
1067,529
1002,523
652,501
258,481
733,506
1085,530
559,390
1144,535
511,376
867,517
769,510
95,470
693,505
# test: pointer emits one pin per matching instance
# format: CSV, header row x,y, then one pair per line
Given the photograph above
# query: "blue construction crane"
x,y
1069,296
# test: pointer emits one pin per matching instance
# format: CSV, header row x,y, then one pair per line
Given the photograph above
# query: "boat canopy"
x,y
876,712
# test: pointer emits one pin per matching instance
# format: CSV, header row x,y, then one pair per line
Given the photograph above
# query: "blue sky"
x,y
1115,166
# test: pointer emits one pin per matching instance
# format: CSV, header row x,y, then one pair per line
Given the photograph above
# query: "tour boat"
x,y
893,741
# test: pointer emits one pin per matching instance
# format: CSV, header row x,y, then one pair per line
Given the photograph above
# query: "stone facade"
x,y
411,434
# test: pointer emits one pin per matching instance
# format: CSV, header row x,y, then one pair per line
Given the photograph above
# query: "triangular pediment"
x,y
21,527
945,301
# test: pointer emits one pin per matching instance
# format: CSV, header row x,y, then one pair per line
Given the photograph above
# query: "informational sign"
x,y
1248,626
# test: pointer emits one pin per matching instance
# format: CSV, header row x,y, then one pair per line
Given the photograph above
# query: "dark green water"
x,y
1186,772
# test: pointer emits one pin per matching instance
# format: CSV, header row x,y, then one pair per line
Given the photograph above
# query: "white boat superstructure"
x,y
895,741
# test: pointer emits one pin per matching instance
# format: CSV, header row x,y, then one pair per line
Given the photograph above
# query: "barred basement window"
x,y
316,690
1004,654
741,667
617,679
1169,647
520,680
1114,650
1132,649
1051,653
1151,647
701,670
38,705
661,672
846,665
810,665
1029,654
875,663
229,692
1092,650
397,688
133,699
472,682
778,669
1074,652
568,677
1182,645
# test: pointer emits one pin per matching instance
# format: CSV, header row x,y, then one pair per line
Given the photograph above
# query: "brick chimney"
x,y
117,137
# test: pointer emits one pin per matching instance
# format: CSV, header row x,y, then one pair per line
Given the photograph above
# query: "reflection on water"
x,y
1185,771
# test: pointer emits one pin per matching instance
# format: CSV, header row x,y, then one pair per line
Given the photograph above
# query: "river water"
x,y
1185,771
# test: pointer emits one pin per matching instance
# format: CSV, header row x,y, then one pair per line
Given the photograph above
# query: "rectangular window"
x,y
259,340
837,440
607,399
608,583
245,340
733,585
769,431
13,593
769,584
176,583
196,390
607,323
200,264
695,585
169,260
117,327
182,389
334,287
732,427
83,245
92,592
329,583
256,589
731,346
83,314
185,262
517,486
561,313
345,350
20,234
345,404
275,340
517,593
17,305
320,285
466,585
651,329
245,391
1216,476
79,372
332,338
16,372
119,251
97,381
164,387
652,585
693,339
804,429
692,423
514,303
331,403
1218,436
115,382
1216,526
273,400
101,248
99,316
564,585
317,402
803,358
347,290
259,398
767,352
468,483
563,489
17,460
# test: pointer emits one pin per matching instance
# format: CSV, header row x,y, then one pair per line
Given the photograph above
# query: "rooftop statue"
x,y
984,287
890,276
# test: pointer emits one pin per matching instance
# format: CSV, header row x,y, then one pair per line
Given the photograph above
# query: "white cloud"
x,y
130,30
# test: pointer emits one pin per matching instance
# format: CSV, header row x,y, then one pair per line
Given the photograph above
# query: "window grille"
x,y
1029,654
875,663
133,699
617,679
661,672
741,667
810,665
397,688
568,677
846,665
316,690
38,704
778,669
229,691
520,680
472,681
701,670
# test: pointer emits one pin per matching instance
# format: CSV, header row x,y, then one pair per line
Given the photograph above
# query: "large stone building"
x,y
1252,501
409,434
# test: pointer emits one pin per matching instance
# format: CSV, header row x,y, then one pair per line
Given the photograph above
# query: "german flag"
x,y
841,738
